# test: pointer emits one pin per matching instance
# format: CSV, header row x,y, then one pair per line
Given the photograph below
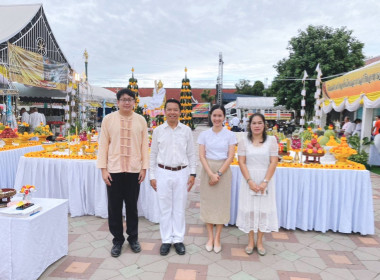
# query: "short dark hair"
x,y
172,100
249,135
127,91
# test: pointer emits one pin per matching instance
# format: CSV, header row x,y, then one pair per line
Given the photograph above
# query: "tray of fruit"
x,y
313,149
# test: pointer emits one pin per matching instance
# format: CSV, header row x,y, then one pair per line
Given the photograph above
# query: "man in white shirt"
x,y
172,175
43,118
245,122
35,119
349,129
235,124
24,115
346,123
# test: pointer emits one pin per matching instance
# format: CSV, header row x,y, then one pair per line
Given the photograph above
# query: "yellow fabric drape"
x,y
373,95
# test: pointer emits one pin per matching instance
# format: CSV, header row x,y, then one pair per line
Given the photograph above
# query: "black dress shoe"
x,y
165,248
116,250
180,248
135,247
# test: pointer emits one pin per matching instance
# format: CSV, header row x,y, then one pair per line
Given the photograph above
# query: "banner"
x,y
201,110
363,80
33,69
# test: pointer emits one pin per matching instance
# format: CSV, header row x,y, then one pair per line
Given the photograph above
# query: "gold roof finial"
x,y
85,55
185,69
133,69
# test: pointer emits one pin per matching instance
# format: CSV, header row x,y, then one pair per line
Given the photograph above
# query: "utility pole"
x,y
85,56
219,85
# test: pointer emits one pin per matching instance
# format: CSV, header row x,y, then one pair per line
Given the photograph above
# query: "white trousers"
x,y
172,197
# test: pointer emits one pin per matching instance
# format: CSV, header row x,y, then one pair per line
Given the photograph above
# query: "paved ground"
x,y
292,255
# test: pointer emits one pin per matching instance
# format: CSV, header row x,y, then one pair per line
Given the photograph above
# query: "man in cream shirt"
x,y
172,175
123,158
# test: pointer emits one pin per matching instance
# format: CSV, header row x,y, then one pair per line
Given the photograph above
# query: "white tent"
x,y
100,94
230,105
257,103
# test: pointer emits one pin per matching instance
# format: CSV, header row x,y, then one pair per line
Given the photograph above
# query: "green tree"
x,y
336,50
269,92
258,88
243,87
205,95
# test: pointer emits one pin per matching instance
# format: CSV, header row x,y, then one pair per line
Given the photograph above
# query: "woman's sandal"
x,y
249,250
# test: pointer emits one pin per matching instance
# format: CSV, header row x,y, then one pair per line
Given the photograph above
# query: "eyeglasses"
x,y
127,100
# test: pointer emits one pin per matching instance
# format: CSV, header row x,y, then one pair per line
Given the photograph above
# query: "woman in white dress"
x,y
258,157
216,152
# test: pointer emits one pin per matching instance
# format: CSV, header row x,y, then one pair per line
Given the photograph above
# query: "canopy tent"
x,y
230,105
257,103
99,94
357,88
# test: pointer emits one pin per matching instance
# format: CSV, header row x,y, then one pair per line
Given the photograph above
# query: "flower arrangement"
x,y
7,148
349,165
26,191
342,152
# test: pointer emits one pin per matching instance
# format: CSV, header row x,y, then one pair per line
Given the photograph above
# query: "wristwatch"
x,y
219,173
265,181
194,175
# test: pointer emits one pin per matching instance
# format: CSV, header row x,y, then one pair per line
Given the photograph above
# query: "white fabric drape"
x,y
351,106
8,164
31,244
81,183
319,199
371,104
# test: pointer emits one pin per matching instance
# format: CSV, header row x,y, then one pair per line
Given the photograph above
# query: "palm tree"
x,y
205,95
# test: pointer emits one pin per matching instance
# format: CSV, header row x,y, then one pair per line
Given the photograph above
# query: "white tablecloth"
x,y
8,164
29,245
81,183
319,199
374,156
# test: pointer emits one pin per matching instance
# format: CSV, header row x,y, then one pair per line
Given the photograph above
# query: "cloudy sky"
x,y
160,38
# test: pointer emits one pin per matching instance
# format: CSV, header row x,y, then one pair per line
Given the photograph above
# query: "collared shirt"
x,y
123,143
25,117
35,119
235,121
43,118
172,147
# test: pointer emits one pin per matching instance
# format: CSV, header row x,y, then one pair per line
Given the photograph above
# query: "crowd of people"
x,y
33,118
124,160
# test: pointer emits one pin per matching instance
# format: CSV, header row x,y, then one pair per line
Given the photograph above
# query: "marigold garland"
x,y
43,154
7,148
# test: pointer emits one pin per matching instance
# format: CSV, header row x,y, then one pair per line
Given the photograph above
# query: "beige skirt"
x,y
216,199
